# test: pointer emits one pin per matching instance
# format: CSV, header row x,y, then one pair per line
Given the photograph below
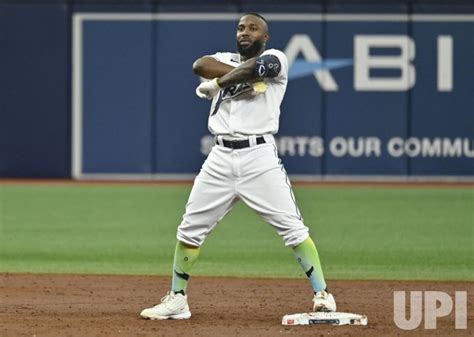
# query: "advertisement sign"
x,y
368,94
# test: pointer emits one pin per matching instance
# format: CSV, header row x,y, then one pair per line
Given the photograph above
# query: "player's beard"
x,y
250,51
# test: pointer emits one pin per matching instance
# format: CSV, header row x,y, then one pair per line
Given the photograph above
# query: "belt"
x,y
241,144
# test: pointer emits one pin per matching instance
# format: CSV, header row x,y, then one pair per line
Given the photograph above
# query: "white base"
x,y
333,318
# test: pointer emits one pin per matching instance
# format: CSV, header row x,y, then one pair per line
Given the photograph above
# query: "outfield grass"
x,y
361,233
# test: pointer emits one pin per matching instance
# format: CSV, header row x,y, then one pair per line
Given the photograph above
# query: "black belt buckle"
x,y
241,144
236,144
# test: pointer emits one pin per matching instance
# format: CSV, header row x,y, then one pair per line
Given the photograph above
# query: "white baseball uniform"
x,y
253,174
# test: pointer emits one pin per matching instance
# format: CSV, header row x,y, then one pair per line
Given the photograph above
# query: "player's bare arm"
x,y
209,68
255,69
243,73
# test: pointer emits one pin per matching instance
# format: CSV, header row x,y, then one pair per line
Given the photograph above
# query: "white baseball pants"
x,y
254,175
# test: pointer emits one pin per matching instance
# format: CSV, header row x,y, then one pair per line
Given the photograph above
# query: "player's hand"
x,y
208,89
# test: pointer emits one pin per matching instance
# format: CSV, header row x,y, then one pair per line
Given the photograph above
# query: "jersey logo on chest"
x,y
235,90
229,93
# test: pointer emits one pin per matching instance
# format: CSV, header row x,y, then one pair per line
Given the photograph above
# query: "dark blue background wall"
x,y
34,90
140,114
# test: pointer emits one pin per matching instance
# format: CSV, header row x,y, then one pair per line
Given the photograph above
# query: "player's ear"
x,y
266,37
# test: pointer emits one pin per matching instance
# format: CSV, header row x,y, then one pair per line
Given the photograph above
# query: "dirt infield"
x,y
85,305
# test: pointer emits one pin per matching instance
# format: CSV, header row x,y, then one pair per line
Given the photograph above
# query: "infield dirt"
x,y
91,305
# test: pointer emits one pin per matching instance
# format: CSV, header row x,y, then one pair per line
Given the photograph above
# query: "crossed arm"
x,y
210,68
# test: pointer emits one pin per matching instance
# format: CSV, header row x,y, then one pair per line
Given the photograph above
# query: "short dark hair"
x,y
257,15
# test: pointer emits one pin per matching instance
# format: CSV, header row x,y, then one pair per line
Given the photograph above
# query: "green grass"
x,y
361,233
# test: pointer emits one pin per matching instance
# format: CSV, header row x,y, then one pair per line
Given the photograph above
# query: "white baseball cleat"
x,y
172,306
324,302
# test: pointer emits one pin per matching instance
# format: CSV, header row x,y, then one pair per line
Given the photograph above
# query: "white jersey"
x,y
236,113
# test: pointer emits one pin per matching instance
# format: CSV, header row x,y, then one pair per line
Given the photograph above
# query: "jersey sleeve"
x,y
283,61
218,56
223,57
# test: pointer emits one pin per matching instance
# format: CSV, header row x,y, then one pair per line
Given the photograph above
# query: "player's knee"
x,y
294,237
189,240
190,236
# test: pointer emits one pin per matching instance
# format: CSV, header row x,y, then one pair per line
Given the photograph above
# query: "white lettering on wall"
x,y
364,62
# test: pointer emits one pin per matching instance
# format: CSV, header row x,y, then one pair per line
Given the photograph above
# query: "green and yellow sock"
x,y
184,259
308,258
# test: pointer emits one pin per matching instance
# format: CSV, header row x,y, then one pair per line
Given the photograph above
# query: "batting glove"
x,y
208,89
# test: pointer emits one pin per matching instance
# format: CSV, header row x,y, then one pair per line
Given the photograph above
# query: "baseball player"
x,y
246,89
